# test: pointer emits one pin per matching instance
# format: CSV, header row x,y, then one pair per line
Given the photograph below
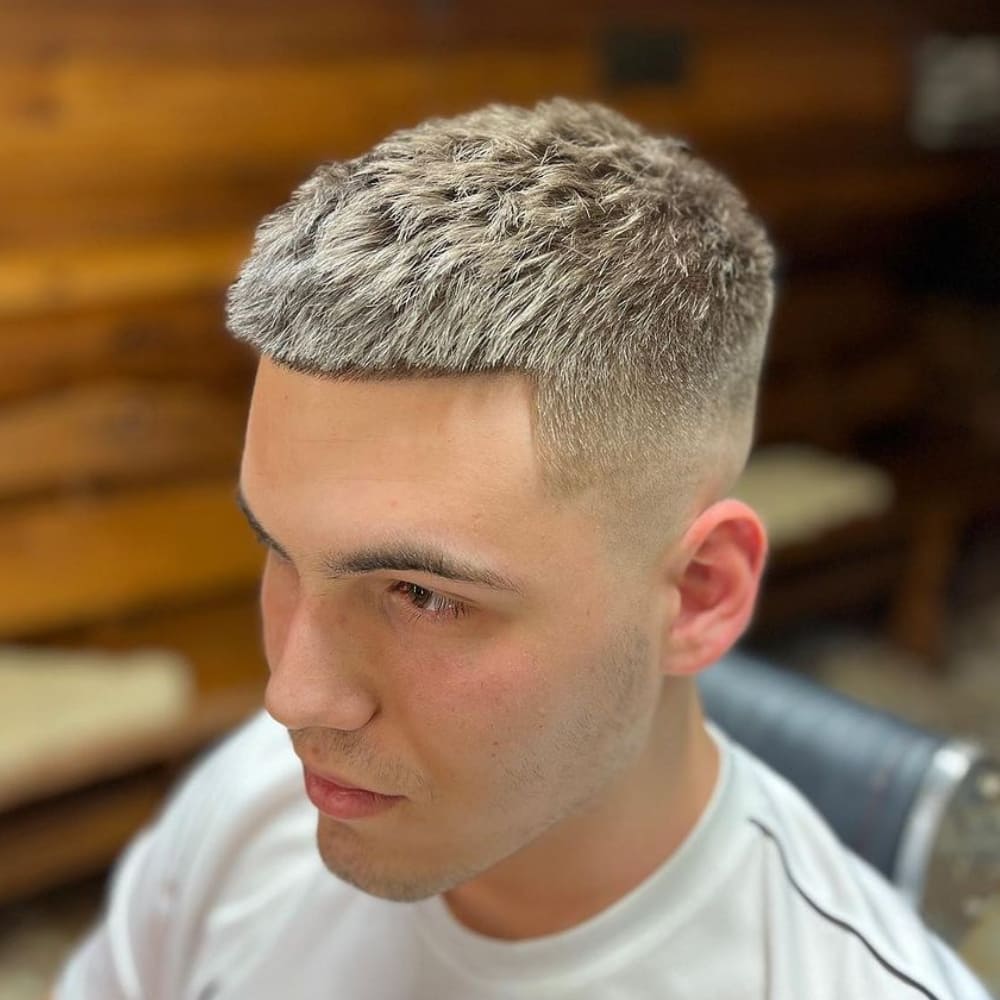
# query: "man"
x,y
508,370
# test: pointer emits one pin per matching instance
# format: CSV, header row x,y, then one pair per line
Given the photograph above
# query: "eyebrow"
x,y
403,557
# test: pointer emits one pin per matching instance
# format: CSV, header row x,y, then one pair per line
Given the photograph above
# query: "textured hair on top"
x,y
619,272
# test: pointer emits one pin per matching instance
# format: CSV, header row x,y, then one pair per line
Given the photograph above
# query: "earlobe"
x,y
716,581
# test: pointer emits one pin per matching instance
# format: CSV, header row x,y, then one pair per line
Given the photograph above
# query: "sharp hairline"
x,y
400,557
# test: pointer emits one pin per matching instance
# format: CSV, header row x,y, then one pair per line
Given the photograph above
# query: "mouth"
x,y
334,779
341,800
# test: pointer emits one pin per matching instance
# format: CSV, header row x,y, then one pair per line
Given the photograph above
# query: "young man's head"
x,y
509,364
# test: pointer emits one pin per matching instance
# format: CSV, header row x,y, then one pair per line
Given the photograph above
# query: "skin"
x,y
548,742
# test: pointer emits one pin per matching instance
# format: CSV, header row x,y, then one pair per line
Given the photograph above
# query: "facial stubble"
x,y
573,760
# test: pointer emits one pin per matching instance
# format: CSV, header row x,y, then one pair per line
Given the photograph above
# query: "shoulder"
x,y
844,920
237,817
244,772
238,801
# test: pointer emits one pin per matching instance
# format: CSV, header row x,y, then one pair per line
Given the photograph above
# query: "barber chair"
x,y
922,808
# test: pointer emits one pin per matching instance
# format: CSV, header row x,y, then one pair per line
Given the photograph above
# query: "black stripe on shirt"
x,y
843,925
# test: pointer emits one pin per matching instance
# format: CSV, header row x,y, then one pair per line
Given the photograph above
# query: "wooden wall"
x,y
139,145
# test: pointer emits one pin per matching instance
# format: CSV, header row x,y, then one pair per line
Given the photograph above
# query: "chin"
x,y
397,886
387,876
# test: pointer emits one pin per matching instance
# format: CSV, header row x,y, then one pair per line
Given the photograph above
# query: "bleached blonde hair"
x,y
619,272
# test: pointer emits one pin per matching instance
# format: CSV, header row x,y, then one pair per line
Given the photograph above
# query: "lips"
x,y
334,780
343,801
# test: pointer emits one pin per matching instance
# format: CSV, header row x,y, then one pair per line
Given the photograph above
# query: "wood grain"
x,y
117,432
78,277
67,838
77,559
155,338
220,638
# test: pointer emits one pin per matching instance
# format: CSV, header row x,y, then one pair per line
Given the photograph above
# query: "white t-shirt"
x,y
225,898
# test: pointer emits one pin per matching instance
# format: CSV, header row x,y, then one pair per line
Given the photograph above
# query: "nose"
x,y
316,673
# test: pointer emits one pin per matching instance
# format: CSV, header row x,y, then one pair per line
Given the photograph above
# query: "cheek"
x,y
470,711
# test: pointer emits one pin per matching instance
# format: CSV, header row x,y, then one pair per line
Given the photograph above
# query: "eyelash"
x,y
452,608
264,543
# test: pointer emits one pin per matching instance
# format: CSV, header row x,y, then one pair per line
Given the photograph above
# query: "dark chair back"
x,y
885,786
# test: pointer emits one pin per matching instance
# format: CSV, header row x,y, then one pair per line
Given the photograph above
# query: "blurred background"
x,y
142,143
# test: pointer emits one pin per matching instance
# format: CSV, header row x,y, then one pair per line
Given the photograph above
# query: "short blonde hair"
x,y
623,275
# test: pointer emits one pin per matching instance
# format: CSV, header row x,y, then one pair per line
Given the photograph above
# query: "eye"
x,y
428,603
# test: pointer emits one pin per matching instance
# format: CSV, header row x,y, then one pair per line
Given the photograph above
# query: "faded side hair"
x,y
623,275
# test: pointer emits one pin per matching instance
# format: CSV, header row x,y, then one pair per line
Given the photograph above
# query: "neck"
x,y
590,860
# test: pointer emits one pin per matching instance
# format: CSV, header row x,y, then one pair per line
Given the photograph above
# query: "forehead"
x,y
443,459
405,430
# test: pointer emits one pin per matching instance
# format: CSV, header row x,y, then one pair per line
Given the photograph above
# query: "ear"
x,y
715,576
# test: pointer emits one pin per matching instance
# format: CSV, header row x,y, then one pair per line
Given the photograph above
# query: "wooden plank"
x,y
189,28
76,835
64,277
736,87
219,638
179,338
75,560
312,28
117,432
218,198
288,113
728,83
